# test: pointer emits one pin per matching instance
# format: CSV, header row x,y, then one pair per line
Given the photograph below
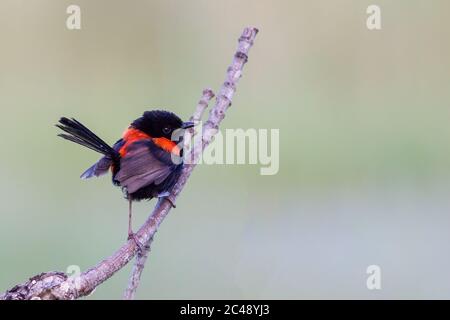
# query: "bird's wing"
x,y
144,164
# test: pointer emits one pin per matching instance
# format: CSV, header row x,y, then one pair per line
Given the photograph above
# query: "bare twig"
x,y
202,104
57,285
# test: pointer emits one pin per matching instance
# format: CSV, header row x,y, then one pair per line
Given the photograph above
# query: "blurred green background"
x,y
364,145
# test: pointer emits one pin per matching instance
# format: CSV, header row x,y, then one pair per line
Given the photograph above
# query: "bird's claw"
x,y
166,195
140,247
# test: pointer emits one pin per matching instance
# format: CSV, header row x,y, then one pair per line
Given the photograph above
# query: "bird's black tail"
x,y
78,133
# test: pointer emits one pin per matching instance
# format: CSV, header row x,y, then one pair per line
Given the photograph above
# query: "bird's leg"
x,y
131,234
166,195
130,210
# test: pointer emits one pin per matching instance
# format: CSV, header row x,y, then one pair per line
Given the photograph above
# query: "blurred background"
x,y
364,145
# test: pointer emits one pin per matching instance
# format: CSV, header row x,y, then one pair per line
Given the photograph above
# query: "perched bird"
x,y
141,162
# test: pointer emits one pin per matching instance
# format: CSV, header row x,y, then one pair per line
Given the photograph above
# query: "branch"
x,y
58,285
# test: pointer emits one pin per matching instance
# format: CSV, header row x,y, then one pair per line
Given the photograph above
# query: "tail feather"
x,y
78,133
80,142
97,169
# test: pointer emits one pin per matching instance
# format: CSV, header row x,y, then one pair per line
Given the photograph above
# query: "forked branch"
x,y
58,285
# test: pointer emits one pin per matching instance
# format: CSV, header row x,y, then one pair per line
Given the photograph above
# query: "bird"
x,y
145,162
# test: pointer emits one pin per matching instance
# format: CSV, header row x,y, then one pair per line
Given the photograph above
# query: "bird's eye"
x,y
166,130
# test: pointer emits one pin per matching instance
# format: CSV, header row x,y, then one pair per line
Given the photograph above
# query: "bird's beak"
x,y
188,124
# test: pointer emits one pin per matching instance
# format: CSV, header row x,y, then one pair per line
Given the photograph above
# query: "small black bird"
x,y
141,161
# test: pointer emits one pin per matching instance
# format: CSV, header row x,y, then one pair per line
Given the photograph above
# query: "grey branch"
x,y
58,285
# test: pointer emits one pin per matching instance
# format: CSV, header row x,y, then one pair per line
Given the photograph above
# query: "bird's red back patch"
x,y
132,135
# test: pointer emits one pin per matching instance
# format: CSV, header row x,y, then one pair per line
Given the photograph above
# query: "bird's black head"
x,y
160,123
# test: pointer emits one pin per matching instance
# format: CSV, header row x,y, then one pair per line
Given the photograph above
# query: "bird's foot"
x,y
140,247
166,195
